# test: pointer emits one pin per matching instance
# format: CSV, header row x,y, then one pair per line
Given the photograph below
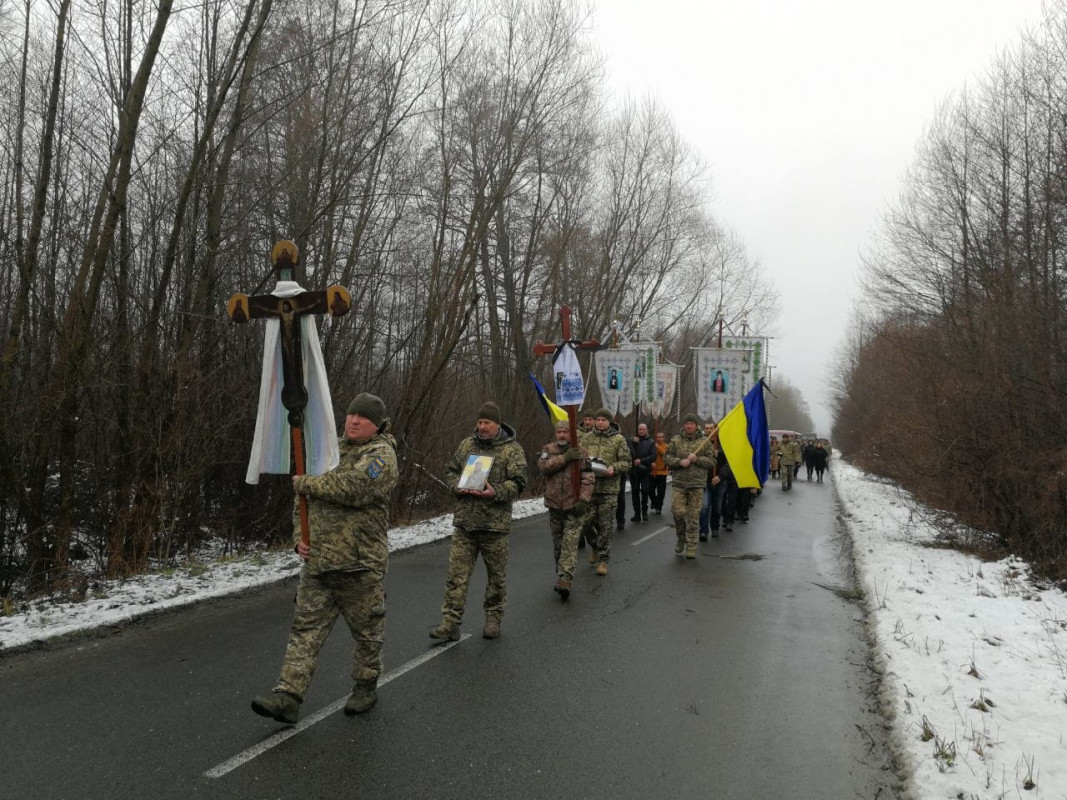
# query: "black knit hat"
x,y
489,411
369,406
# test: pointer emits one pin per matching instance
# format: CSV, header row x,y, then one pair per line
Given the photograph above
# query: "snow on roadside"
x,y
952,634
974,654
119,601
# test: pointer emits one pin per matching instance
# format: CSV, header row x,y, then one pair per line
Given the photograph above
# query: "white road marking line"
x,y
318,716
643,539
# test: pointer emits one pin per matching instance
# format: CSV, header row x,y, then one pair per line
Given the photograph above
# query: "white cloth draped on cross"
x,y
271,446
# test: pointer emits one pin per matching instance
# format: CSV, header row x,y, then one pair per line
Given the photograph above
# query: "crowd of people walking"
x,y
346,556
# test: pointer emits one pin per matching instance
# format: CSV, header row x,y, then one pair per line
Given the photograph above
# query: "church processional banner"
x,y
757,367
663,397
719,380
626,377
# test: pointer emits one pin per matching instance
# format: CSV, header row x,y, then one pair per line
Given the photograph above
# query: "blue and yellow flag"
x,y
555,413
745,438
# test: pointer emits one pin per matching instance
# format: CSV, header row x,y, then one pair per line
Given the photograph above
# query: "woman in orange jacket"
x,y
658,476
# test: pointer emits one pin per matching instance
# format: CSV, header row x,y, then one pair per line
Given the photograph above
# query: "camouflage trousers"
x,y
357,596
462,554
566,527
601,525
685,506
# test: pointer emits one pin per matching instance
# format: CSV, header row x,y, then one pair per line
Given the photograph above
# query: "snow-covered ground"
x,y
973,653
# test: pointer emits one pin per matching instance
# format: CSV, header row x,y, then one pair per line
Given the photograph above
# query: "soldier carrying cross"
x,y
343,511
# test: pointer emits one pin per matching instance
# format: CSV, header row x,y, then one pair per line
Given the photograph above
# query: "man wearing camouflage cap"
x,y
345,562
689,459
482,521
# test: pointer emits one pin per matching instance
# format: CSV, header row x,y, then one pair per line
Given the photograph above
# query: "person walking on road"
x,y
689,466
658,479
643,453
720,507
820,459
789,460
344,563
566,512
609,447
585,429
481,521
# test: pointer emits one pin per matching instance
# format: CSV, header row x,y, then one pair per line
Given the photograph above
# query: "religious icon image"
x,y
237,307
559,381
719,382
613,378
661,389
639,370
339,301
475,472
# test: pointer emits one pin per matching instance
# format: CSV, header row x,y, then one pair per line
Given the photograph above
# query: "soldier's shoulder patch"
x,y
376,467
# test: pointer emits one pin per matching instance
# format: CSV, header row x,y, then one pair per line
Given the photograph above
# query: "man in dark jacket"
x,y
344,564
482,520
643,453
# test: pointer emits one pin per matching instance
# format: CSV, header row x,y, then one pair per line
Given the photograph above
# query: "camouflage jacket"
x,y
611,448
507,477
695,476
790,453
559,486
347,508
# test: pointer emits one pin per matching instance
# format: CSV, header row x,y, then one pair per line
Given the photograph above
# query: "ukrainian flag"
x,y
555,413
745,438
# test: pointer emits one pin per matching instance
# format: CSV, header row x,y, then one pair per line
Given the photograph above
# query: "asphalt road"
x,y
740,674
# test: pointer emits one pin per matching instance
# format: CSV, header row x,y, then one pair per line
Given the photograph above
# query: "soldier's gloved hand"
x,y
571,454
581,507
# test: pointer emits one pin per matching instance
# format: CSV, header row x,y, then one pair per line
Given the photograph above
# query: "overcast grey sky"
x,y
808,114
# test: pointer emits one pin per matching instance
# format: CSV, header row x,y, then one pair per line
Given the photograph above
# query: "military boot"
x,y
364,695
445,632
679,546
281,706
563,589
491,629
690,551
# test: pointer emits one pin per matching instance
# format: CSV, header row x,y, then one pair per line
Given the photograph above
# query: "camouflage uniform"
x,y
481,525
789,461
687,486
565,524
345,573
610,447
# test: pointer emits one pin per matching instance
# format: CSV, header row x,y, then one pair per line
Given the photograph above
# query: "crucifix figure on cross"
x,y
541,349
291,353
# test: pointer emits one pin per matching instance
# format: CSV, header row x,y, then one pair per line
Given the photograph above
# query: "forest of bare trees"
x,y
458,165
953,380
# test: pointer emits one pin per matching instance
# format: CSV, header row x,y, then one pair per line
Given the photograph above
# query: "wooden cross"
x,y
335,301
541,349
